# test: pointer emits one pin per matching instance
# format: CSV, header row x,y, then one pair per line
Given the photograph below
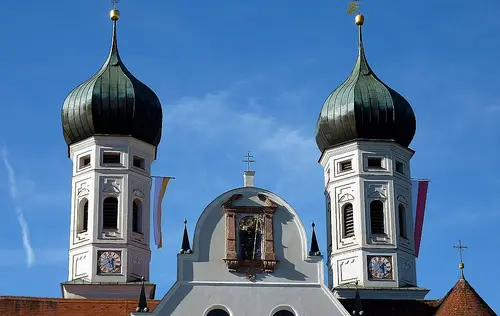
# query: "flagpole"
x,y
171,178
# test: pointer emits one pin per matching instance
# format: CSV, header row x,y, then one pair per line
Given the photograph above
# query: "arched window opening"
x,y
403,230
83,216
348,220
283,313
218,312
110,213
377,217
137,216
250,238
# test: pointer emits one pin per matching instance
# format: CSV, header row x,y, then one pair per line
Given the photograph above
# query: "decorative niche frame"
x,y
265,213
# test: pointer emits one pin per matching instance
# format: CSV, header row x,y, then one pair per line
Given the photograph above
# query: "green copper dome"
x,y
112,102
363,107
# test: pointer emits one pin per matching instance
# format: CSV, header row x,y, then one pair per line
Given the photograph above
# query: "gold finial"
x,y
355,7
114,14
461,265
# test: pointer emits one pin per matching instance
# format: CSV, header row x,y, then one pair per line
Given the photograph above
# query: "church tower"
x,y
112,124
363,131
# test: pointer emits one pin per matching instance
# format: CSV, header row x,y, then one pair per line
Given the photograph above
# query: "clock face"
x,y
380,267
109,262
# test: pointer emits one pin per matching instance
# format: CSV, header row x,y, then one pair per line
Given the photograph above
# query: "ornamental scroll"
x,y
255,258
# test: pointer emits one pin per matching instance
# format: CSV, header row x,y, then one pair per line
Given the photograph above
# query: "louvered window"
x,y
374,162
345,165
86,216
136,217
111,158
83,216
110,213
348,221
402,221
377,217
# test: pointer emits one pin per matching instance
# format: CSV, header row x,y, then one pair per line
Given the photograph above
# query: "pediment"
x,y
138,193
346,197
111,189
377,194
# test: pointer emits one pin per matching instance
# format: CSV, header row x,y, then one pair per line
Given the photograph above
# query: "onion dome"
x,y
364,107
112,102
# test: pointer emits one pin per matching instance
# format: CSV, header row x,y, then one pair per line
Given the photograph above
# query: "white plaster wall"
x,y
359,186
290,241
97,181
204,280
249,300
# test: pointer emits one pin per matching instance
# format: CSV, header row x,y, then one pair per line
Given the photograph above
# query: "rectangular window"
x,y
400,167
139,162
345,166
111,158
84,161
374,162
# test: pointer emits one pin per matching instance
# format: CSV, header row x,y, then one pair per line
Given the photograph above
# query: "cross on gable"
x,y
248,160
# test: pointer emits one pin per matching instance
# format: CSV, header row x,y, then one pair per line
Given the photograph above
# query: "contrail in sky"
x,y
30,255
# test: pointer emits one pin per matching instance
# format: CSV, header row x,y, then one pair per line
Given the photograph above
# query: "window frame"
x,y
111,153
382,213
115,228
344,222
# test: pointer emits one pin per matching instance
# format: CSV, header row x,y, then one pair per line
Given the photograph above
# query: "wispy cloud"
x,y
30,255
221,116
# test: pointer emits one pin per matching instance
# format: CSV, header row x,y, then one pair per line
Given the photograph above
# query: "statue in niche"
x,y
250,238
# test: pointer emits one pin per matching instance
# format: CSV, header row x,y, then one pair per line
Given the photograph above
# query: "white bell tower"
x,y
110,232
112,124
363,132
369,220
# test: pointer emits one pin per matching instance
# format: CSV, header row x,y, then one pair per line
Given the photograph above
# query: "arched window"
x,y
218,312
348,220
403,230
377,217
137,216
283,313
110,213
83,216
250,238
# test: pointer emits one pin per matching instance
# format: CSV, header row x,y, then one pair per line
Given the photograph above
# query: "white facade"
x,y
109,249
363,234
205,283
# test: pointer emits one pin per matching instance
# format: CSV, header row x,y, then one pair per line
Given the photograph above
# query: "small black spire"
x,y
314,243
358,307
186,247
143,302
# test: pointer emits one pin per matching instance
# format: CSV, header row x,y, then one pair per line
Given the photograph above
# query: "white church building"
x,y
250,254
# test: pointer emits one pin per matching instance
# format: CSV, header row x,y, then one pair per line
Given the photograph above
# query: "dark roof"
x,y
37,306
463,300
112,102
314,251
393,307
185,247
363,107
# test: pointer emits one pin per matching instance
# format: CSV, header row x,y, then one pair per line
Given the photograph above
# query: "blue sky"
x,y
253,76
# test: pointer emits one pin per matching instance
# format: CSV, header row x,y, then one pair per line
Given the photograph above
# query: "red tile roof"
x,y
36,306
463,300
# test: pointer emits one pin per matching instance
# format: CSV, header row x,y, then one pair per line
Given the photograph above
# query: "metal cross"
x,y
460,248
248,160
115,2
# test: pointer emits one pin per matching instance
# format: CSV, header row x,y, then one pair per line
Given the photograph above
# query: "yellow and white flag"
x,y
160,185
